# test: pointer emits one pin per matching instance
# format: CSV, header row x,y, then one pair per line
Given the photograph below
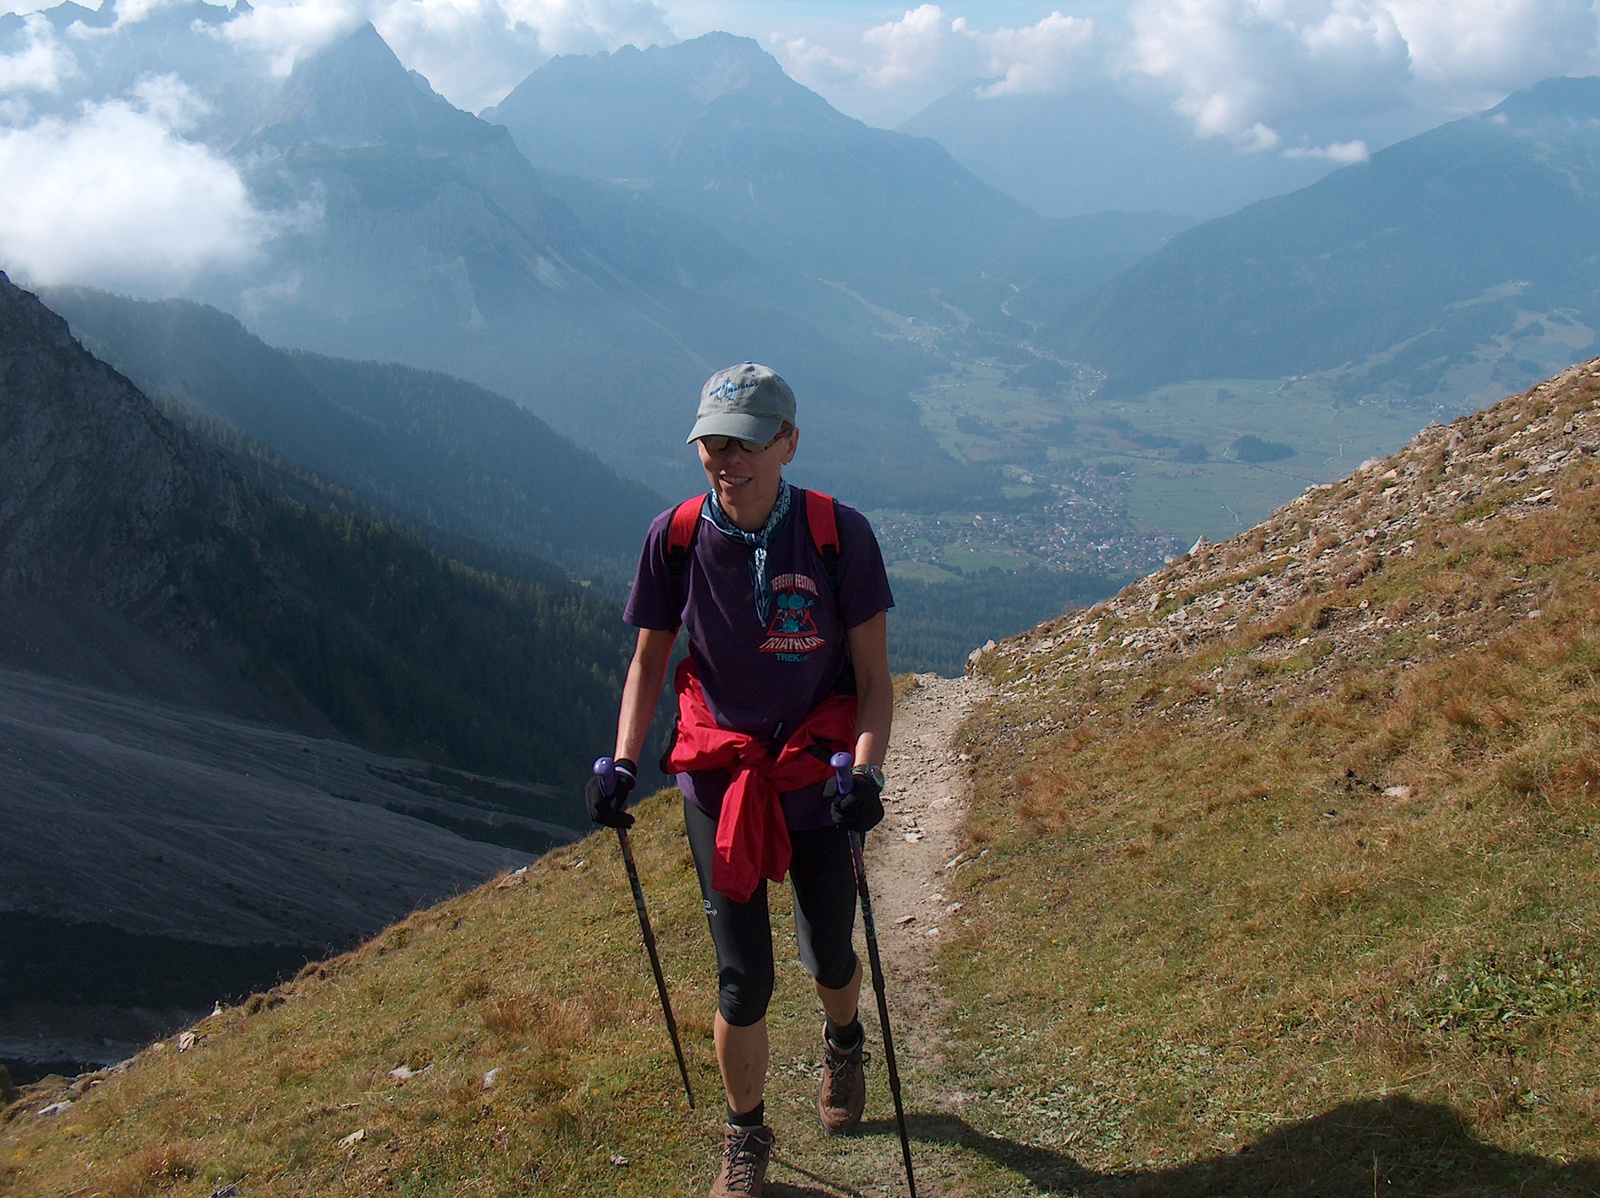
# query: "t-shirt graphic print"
x,y
791,632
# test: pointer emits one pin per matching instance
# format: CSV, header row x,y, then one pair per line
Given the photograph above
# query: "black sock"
x,y
845,1037
755,1117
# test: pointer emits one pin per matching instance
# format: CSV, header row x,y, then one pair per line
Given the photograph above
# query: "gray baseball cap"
x,y
746,401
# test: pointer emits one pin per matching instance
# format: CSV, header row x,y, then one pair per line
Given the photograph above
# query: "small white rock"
x,y
185,1041
490,1078
354,1138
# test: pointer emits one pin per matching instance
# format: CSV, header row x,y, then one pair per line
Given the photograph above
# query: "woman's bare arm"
x,y
869,652
646,673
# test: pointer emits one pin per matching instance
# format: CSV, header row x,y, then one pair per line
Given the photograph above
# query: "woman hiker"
x,y
788,663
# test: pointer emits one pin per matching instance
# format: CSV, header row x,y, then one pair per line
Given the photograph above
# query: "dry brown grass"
x,y
1278,851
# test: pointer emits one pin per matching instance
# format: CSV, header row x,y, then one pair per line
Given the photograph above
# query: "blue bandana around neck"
x,y
760,580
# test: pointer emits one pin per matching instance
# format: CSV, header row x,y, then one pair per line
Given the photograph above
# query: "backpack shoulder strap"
x,y
680,540
824,524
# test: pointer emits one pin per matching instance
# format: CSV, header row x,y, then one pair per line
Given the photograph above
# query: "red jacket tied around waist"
x,y
752,838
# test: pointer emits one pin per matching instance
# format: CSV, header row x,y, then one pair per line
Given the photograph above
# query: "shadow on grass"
x,y
1392,1146
831,1189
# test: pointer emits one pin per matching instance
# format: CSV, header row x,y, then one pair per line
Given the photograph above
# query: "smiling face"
x,y
746,484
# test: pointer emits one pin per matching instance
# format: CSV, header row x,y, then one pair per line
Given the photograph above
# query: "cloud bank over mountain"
x,y
1266,74
115,196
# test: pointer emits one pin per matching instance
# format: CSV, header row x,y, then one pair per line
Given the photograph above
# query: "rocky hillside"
x,y
103,499
1484,473
158,851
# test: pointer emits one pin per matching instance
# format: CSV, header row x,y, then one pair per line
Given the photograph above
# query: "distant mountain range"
x,y
1456,265
439,246
714,128
771,228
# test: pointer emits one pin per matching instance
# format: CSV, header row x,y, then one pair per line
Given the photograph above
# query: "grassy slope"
x,y
1181,974
545,981
1325,836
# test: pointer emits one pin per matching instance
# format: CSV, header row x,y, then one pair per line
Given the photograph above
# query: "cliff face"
x,y
101,498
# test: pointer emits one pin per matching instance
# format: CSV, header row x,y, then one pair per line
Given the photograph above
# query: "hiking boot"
x,y
744,1162
844,1085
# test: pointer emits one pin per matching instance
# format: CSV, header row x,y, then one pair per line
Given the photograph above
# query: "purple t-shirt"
x,y
763,677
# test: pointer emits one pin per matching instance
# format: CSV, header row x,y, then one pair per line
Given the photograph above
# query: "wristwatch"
x,y
875,772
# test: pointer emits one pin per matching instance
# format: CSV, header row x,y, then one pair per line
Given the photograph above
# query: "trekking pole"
x,y
841,768
605,770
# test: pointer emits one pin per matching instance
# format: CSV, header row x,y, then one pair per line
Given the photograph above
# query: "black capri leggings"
x,y
824,885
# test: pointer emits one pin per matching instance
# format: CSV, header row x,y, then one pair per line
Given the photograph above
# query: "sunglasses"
x,y
720,444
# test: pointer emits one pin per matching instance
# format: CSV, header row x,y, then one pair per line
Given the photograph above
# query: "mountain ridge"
x,y
441,450
770,163
1392,273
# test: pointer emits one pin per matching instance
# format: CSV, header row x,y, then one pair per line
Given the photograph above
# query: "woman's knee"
x,y
836,970
743,997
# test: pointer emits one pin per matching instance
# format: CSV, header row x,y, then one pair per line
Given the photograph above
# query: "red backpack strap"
x,y
824,525
685,521
680,540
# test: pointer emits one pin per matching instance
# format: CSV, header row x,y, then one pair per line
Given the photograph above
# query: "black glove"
x,y
862,809
612,809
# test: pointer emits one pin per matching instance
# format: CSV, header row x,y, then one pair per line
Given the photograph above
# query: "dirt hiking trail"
x,y
911,858
912,855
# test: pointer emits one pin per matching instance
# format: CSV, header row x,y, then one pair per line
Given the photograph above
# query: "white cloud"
x,y
1045,57
1241,67
283,32
920,45
168,100
1237,67
926,50
1343,152
39,63
1495,46
113,197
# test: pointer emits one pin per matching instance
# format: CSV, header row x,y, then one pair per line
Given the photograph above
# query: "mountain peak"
x,y
356,92
617,115
102,492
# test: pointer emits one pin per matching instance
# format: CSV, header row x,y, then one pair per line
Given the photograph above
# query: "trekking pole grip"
x,y
841,763
606,770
